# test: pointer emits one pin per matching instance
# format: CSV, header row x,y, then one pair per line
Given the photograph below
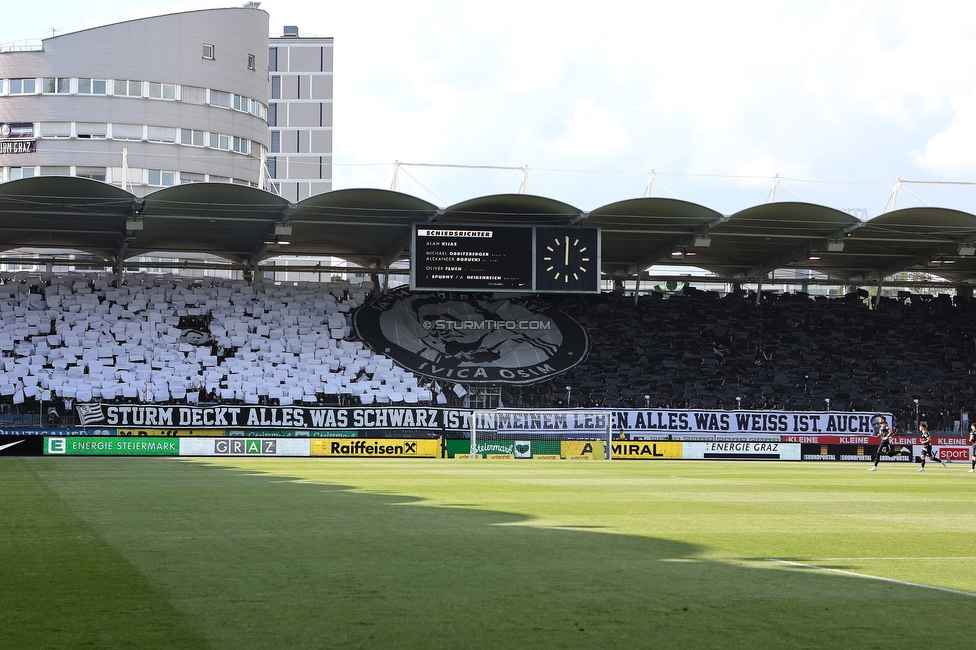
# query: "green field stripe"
x,y
63,586
303,553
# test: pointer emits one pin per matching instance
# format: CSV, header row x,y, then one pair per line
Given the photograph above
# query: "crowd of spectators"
x,y
704,350
697,350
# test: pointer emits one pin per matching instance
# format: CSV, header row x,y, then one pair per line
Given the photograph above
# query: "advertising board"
x,y
21,445
244,447
375,448
110,446
741,450
949,453
647,450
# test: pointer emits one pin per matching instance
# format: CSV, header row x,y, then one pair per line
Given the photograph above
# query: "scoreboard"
x,y
490,258
561,259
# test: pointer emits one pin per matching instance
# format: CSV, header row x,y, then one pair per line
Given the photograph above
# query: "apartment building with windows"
x,y
300,114
146,103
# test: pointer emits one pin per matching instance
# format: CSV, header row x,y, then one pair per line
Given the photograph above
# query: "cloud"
x,y
951,151
591,131
839,90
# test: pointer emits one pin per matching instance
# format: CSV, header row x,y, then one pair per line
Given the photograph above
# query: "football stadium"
x,y
233,416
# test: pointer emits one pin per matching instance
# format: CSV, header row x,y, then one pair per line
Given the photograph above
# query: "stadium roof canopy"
x,y
372,228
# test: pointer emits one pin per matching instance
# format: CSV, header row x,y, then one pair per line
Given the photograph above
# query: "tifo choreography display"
x,y
631,422
391,432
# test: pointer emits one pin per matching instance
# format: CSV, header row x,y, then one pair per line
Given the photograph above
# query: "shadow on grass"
x,y
240,560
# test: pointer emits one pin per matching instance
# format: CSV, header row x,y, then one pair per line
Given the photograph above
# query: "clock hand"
x,y
567,250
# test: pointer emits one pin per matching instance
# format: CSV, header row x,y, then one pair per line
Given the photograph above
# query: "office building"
x,y
181,98
300,114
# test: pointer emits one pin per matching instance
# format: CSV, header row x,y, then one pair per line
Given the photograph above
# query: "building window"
x,y
191,137
273,167
272,59
161,134
55,129
276,87
242,103
91,86
219,98
16,173
250,62
94,173
127,132
242,145
23,86
208,51
190,177
218,141
161,178
60,85
276,142
128,87
91,131
273,115
193,95
162,91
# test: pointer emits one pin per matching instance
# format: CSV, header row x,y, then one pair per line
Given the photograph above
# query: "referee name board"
x,y
476,258
563,259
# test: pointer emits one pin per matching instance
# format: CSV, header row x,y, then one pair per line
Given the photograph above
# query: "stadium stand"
x,y
173,339
788,351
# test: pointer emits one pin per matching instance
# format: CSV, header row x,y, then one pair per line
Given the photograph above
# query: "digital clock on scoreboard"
x,y
567,259
556,259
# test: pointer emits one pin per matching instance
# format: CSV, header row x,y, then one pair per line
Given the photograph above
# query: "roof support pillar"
x,y
252,274
120,256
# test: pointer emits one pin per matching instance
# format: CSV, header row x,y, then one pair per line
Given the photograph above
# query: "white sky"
x,y
838,98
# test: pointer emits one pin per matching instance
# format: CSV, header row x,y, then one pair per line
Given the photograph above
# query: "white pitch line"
x,y
870,577
886,559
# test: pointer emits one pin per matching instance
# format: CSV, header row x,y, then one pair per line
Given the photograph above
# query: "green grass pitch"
x,y
309,553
